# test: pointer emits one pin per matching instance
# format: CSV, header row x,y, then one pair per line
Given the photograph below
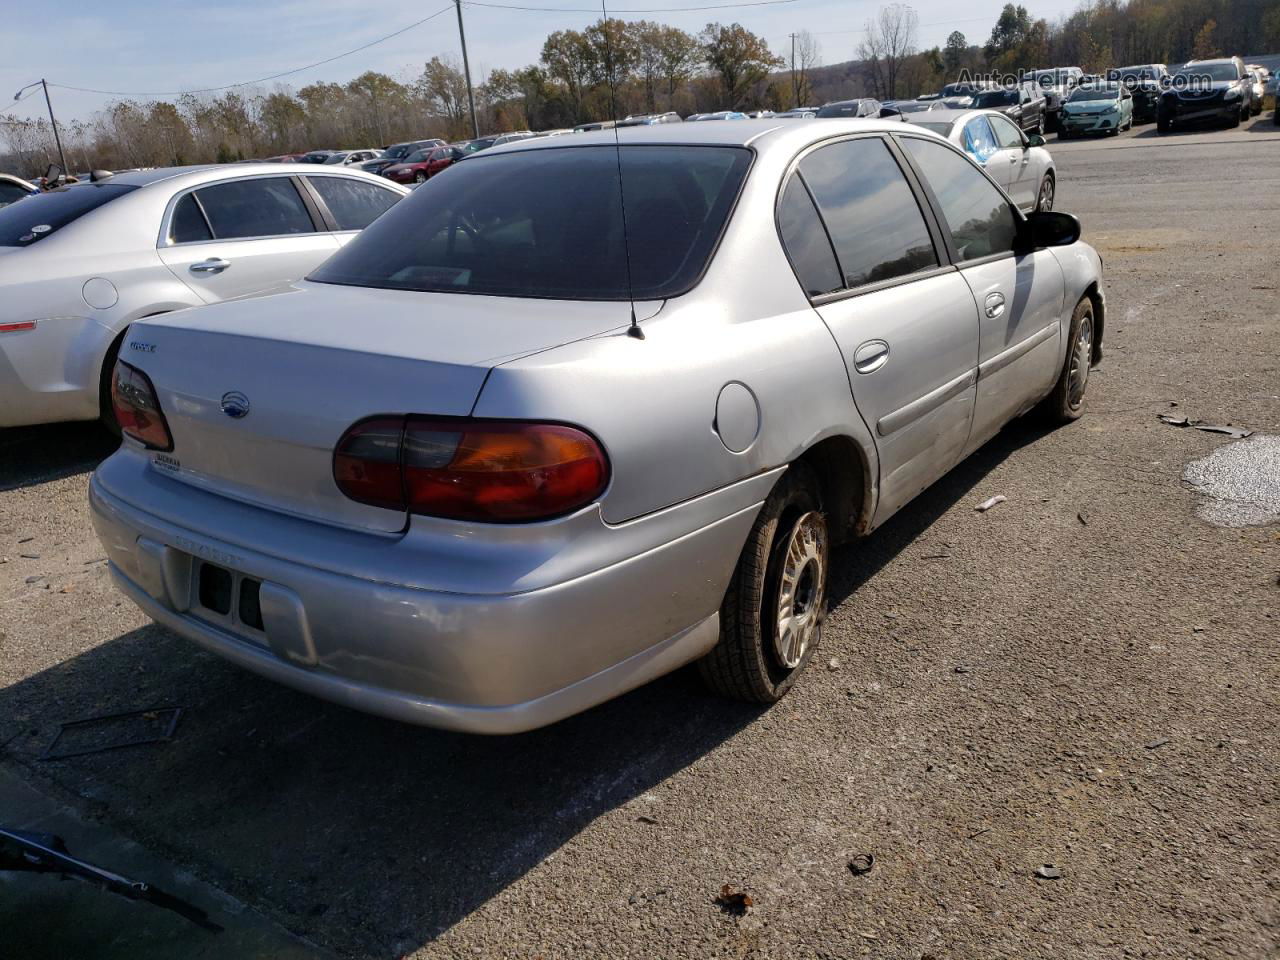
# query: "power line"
x,y
714,6
249,83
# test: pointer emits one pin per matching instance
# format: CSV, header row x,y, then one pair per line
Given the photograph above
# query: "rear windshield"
x,y
1093,93
22,224
942,128
995,98
548,223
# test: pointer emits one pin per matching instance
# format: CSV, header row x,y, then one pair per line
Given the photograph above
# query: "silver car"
x,y
80,263
484,469
1016,160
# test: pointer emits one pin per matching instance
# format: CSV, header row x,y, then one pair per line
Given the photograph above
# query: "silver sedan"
x,y
1016,160
516,450
80,263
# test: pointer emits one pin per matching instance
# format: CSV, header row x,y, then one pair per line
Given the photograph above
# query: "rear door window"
x,y
188,224
354,203
806,241
549,223
44,214
981,221
871,214
264,207
979,141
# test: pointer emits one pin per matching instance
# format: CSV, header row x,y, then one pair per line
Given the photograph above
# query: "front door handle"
x,y
995,305
870,356
212,265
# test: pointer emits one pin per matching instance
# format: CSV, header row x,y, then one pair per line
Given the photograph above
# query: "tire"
x,y
1066,402
106,409
420,177
1040,125
1163,126
1047,185
751,662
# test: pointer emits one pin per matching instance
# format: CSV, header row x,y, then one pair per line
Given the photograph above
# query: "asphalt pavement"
x,y
1053,726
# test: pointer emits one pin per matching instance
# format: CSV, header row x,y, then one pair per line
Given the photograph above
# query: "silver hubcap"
x,y
1080,358
1046,195
802,590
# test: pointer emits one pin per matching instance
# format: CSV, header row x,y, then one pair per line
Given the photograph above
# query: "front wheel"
x,y
1163,125
1044,199
1066,402
773,611
420,177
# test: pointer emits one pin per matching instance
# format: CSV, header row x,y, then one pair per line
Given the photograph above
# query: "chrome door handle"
x,y
994,305
212,265
870,356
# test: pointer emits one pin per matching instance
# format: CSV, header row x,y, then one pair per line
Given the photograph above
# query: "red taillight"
x,y
137,408
489,470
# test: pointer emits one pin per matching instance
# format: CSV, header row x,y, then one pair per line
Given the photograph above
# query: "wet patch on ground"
x,y
1241,481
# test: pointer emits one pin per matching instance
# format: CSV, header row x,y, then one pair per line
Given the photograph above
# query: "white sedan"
x,y
1017,161
80,263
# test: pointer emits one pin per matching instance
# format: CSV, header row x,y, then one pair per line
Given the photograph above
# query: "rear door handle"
x,y
870,356
212,265
995,305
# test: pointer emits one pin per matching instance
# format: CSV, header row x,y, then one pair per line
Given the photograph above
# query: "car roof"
x,y
761,134
186,176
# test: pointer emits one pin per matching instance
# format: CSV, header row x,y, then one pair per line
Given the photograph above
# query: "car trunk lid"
x,y
257,392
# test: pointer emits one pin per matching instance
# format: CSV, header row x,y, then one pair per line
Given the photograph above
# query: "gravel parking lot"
x,y
1085,676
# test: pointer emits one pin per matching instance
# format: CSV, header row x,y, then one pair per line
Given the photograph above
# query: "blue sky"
x,y
148,45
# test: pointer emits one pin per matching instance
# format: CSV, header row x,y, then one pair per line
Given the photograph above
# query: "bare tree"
x,y
808,54
890,39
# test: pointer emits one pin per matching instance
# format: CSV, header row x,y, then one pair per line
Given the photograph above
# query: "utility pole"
x,y
795,92
48,103
466,67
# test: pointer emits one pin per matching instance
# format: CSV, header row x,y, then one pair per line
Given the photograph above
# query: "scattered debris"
x,y
1082,518
26,539
986,505
1047,871
1197,629
649,820
734,901
974,836
29,556
1157,744
46,853
93,735
963,668
36,579
861,864
1236,433
89,563
4,559
833,664
67,589
937,556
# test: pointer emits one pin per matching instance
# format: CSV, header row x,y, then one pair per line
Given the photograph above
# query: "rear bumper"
x,y
478,661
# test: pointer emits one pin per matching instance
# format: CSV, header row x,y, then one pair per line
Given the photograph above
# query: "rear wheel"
x,y
420,177
772,615
106,409
1040,125
1066,402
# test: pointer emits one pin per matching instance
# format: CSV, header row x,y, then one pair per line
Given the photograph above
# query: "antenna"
x,y
634,329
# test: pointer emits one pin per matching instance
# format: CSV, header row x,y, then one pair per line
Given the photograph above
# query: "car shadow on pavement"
x,y
30,455
364,835
368,836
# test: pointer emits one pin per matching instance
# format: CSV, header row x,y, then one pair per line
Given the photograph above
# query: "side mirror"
x,y
1049,228
1035,140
